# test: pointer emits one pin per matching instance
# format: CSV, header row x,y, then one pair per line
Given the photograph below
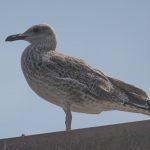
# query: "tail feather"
x,y
138,99
138,102
129,88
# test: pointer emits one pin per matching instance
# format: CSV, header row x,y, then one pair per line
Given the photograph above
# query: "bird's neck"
x,y
45,45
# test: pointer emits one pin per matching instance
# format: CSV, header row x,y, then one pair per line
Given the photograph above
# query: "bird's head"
x,y
41,34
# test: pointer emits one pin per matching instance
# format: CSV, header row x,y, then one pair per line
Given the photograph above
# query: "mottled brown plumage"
x,y
71,83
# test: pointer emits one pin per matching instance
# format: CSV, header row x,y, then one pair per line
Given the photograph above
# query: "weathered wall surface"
x,y
128,136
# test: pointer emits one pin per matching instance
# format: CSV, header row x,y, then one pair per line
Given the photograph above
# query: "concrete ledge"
x,y
127,136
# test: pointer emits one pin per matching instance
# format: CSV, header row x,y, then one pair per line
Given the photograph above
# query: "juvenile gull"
x,y
71,83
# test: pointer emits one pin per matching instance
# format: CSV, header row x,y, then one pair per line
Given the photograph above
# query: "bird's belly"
x,y
47,92
55,94
92,107
58,97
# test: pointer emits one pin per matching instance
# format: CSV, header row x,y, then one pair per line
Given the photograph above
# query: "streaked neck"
x,y
45,45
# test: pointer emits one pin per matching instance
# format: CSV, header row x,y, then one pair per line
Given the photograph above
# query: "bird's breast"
x,y
36,75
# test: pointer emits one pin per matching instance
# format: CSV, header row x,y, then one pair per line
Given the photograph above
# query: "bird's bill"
x,y
16,37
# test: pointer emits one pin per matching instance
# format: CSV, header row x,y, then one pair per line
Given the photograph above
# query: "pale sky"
x,y
113,36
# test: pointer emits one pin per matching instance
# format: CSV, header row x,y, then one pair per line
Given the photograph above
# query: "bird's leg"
x,y
68,120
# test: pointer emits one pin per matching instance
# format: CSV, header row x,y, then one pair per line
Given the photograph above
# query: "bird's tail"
x,y
139,101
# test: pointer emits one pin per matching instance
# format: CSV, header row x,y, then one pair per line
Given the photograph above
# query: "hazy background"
x,y
112,35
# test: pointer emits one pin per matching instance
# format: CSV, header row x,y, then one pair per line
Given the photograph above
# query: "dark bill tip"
x,y
15,37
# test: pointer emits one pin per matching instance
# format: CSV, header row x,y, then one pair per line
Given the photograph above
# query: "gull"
x,y
70,82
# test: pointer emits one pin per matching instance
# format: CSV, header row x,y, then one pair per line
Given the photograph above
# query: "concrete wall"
x,y
128,136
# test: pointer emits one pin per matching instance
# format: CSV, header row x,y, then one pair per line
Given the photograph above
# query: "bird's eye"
x,y
36,30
